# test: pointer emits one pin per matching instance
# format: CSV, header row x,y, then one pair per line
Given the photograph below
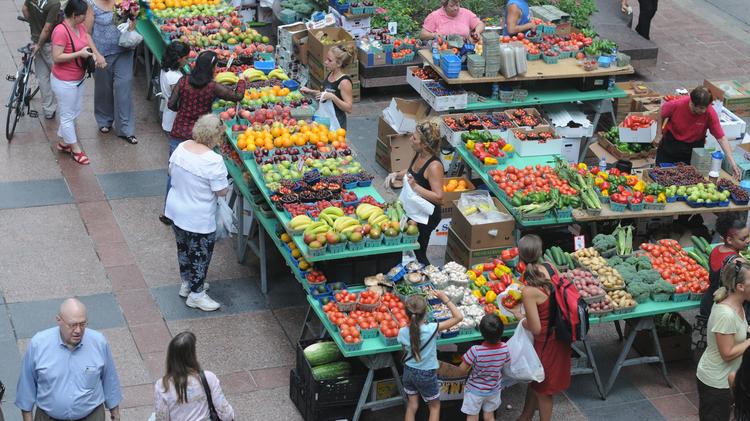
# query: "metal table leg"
x,y
255,239
636,325
262,259
590,367
376,362
600,107
308,328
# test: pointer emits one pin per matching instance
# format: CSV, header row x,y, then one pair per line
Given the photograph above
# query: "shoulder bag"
x,y
212,414
88,65
174,99
424,345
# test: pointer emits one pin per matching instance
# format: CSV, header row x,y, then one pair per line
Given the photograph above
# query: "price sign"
x,y
579,242
393,27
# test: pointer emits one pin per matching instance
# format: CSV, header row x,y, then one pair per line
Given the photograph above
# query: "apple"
x,y
332,237
355,237
412,229
308,238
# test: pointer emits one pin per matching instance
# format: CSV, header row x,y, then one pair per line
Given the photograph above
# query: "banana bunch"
x,y
377,219
226,78
365,211
300,222
317,227
254,75
278,74
330,214
345,224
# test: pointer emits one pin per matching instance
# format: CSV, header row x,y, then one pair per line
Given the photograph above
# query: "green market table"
x,y
153,50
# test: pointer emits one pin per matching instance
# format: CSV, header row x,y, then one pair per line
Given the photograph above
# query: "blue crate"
x,y
265,66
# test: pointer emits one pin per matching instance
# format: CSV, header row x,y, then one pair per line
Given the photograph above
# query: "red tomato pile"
x,y
389,328
368,297
530,180
672,262
315,277
382,318
345,297
365,319
349,331
509,254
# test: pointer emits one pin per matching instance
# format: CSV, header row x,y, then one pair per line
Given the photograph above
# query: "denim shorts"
x,y
422,382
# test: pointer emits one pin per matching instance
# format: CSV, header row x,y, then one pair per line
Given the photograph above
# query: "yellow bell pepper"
x,y
490,161
598,181
582,166
603,174
640,186
470,145
477,293
504,269
503,318
516,294
481,280
605,193
508,148
661,198
490,297
471,275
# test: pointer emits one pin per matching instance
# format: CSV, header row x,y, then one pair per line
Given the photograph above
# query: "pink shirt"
x,y
72,70
196,408
440,23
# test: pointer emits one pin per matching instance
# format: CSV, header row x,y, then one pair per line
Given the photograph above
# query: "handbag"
x,y
89,65
128,39
212,414
174,99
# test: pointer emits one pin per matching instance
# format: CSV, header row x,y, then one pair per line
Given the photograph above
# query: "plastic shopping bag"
x,y
224,219
327,114
128,39
415,206
524,363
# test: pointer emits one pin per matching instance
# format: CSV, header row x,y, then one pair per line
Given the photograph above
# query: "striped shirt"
x,y
486,361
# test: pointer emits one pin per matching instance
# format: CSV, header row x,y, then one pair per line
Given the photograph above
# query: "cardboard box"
x,y
389,161
319,71
370,59
612,150
733,94
316,49
450,196
457,251
403,115
742,163
289,35
481,236
646,135
571,148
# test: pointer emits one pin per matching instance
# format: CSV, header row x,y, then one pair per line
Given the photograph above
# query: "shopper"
x,y
419,341
553,353
71,47
517,17
732,227
174,59
113,85
193,96
485,361
645,15
42,17
199,176
727,341
425,177
186,391
687,120
68,372
337,86
739,384
451,19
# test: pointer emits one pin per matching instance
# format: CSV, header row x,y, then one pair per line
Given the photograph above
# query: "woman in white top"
x,y
175,57
180,394
727,341
199,176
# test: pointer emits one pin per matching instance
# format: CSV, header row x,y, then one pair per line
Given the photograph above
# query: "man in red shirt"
x,y
687,120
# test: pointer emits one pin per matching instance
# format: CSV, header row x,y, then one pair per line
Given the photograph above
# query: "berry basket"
x,y
642,298
623,310
320,251
368,307
594,212
364,183
359,245
467,330
635,207
671,199
599,313
392,241
660,298
594,299
409,239
451,333
346,307
353,347
369,333
532,57
617,207
369,242
696,296
550,59
678,298
336,248
389,341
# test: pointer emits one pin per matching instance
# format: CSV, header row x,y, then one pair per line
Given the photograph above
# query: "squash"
x,y
322,353
331,371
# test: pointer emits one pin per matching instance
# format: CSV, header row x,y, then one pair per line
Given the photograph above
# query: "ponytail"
x,y
416,308
732,273
343,54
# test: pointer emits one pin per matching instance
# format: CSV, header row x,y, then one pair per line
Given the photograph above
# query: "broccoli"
x,y
632,260
662,287
650,276
625,270
634,279
642,262
639,288
614,261
603,242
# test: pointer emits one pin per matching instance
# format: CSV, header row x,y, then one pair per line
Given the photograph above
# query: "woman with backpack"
x,y
553,352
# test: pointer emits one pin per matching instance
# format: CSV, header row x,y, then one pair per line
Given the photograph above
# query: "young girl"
x,y
419,340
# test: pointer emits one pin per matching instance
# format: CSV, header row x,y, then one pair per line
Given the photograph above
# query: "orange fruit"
x,y
341,132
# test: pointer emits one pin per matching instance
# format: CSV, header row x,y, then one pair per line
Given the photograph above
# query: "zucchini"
x,y
321,353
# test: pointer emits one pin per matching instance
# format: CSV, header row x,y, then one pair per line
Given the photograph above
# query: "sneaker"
x,y
202,301
185,289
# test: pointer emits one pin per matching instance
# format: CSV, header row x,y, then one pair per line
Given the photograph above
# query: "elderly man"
x,y
68,372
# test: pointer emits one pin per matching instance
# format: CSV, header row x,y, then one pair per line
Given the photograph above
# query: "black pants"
x,y
713,404
424,236
194,251
648,10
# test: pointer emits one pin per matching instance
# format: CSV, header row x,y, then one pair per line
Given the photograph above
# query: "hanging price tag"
x,y
579,242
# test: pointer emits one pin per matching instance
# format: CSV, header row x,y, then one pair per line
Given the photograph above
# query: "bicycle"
x,y
19,103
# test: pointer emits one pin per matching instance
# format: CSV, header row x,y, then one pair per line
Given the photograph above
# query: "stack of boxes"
x,y
491,53
291,51
480,243
393,150
319,42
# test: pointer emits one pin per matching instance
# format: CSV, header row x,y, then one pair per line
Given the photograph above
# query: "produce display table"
x,y
153,50
550,95
565,69
384,74
676,208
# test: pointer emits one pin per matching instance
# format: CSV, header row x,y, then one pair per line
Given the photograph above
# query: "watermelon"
x,y
331,371
322,353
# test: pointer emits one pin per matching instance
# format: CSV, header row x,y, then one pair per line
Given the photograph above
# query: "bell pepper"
x,y
506,280
598,181
605,193
640,186
504,318
477,293
480,281
582,166
508,148
490,161
508,301
521,267
470,145
661,198
603,174
595,170
489,309
490,297
471,275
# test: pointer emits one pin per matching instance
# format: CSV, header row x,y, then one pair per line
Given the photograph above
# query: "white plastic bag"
x,y
525,365
327,111
415,206
128,39
224,219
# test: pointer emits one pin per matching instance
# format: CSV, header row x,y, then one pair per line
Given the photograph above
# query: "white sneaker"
x,y
202,301
185,289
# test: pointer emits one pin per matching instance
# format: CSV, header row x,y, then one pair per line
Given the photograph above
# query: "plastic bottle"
x,y
716,159
435,52
495,90
614,55
611,83
602,164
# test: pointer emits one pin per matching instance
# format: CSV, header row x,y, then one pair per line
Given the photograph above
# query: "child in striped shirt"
x,y
482,391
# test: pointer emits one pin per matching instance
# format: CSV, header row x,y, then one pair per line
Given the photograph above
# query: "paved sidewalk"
x,y
93,232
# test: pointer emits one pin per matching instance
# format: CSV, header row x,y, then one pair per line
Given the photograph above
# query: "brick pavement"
x,y
92,232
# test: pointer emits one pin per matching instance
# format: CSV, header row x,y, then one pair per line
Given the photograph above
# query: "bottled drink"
x,y
495,90
435,52
602,164
611,83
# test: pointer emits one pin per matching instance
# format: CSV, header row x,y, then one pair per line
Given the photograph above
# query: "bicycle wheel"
x,y
14,110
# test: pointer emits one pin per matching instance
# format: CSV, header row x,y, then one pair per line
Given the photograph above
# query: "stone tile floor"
x,y
92,232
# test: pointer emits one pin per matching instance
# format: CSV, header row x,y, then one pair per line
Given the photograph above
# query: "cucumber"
x,y
706,246
321,353
698,259
557,255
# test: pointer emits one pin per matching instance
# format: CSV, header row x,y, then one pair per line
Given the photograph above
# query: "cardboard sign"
x,y
579,242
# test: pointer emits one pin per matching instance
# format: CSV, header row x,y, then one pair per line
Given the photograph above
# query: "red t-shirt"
x,y
716,259
688,127
71,70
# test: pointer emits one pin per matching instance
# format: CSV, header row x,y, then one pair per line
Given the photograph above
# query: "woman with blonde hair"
x,y
553,353
199,176
726,342
337,86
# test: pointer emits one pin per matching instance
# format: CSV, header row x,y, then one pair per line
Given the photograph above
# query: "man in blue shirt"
x,y
68,375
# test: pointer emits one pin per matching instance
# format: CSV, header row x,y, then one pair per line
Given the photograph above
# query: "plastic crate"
x,y
328,392
738,201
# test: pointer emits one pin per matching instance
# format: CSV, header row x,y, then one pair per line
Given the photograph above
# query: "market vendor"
x,y
687,120
517,17
451,19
